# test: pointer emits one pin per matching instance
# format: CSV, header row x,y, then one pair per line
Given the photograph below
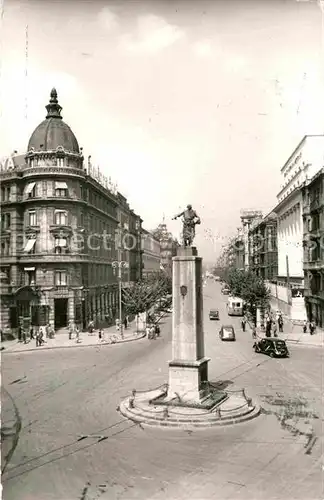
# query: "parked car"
x,y
227,332
273,347
214,314
225,291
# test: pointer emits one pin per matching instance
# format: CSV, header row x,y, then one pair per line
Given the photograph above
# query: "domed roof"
x,y
53,131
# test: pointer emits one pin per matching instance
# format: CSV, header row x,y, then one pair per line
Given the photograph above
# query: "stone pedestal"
x,y
188,368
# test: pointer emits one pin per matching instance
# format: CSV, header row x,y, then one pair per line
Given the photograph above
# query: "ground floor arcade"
x,y
59,306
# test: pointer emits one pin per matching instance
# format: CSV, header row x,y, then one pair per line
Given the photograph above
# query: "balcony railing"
x,y
314,265
56,257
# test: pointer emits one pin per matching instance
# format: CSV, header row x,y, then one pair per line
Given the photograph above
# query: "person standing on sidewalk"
x,y
280,323
125,322
243,324
312,327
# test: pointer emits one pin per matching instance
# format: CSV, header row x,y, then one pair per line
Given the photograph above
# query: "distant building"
x,y
263,248
151,253
247,218
313,224
59,227
168,245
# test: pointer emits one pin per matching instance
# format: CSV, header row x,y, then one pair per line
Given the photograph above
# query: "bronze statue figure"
x,y
189,221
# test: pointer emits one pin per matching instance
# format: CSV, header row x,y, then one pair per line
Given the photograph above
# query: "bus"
x,y
235,306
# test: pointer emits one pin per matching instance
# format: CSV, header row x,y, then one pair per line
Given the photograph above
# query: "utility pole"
x,y
288,280
26,74
119,265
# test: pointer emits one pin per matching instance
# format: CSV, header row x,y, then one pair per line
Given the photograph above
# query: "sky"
x,y
180,102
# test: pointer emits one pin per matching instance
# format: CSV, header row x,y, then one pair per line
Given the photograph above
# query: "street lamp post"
x,y
119,265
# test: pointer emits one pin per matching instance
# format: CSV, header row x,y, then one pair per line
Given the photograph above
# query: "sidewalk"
x,y
61,340
293,332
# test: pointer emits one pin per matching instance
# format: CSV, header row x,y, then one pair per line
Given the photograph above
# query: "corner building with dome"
x,y
56,264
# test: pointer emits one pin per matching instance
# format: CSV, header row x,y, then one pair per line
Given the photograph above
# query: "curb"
x,y
298,342
106,344
16,431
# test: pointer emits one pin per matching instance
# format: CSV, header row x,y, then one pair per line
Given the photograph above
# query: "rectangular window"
x,y
60,245
3,221
32,221
31,190
61,189
60,218
30,245
60,278
31,277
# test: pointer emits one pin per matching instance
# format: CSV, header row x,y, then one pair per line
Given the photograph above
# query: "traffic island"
x,y
188,400
153,408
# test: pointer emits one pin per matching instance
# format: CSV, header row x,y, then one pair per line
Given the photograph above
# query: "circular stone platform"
x,y
236,408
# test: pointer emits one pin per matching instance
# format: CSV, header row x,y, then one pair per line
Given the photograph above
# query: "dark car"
x,y
227,332
214,314
273,347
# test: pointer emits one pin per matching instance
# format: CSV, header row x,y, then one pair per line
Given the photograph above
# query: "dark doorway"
x,y
60,313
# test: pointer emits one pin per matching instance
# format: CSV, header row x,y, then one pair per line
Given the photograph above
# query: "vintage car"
x,y
225,290
227,332
214,314
273,347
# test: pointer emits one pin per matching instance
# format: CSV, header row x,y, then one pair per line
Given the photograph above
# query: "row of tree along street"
x,y
151,295
249,287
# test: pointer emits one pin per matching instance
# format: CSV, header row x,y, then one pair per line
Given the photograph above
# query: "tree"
x,y
151,295
251,288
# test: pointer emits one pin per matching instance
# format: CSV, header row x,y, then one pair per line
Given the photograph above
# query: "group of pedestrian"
x,y
25,335
311,326
272,325
153,331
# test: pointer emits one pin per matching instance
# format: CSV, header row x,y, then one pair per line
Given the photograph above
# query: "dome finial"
x,y
53,107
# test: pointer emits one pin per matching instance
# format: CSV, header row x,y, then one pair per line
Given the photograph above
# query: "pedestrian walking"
x,y
274,331
31,333
47,331
117,323
280,324
243,324
37,339
70,330
157,330
305,326
19,333
41,337
24,338
77,334
125,322
312,327
100,334
91,326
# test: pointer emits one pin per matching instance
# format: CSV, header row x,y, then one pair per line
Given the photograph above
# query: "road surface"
x,y
63,395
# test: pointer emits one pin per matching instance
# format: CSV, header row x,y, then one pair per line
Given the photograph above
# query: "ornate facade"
x,y
313,219
60,233
151,248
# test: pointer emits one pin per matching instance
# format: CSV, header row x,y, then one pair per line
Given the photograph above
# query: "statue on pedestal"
x,y
189,221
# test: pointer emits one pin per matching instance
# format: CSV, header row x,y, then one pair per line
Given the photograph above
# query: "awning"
x,y
60,185
29,269
60,242
30,244
30,187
